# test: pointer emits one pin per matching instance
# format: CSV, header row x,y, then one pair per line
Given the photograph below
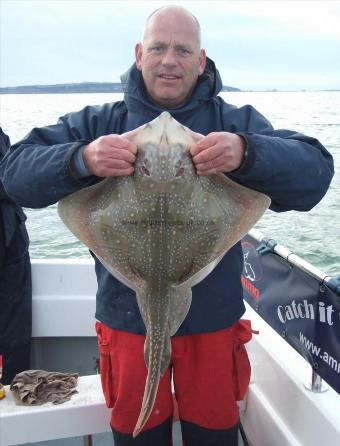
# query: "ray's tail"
x,y
157,351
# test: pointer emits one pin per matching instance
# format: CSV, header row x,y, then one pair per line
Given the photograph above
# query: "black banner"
x,y
305,312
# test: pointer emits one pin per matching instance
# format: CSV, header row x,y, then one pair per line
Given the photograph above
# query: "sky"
x,y
256,45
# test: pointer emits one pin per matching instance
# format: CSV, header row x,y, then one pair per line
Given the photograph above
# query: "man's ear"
x,y
203,60
138,55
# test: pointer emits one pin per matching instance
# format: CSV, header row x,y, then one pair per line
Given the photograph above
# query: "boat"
x,y
294,394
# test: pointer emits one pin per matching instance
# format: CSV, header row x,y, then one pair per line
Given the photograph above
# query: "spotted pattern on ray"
x,y
160,231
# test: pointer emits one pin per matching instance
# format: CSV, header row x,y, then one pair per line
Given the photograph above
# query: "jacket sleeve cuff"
x,y
248,157
79,163
70,166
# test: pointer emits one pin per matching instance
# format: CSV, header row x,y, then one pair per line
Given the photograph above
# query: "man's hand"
x,y
218,152
110,156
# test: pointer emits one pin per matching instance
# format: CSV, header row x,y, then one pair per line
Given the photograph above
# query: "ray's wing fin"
x,y
180,301
229,211
193,278
240,211
92,215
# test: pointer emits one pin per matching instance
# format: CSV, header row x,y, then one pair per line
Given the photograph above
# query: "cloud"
x,y
253,42
308,17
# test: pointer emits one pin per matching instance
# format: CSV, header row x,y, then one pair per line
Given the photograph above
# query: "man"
x,y
15,284
208,363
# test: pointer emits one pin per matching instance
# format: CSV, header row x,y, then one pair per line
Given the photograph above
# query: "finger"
x,y
203,144
121,143
132,148
209,154
212,167
207,169
122,154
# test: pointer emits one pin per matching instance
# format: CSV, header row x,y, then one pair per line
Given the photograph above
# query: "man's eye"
x,y
157,49
183,51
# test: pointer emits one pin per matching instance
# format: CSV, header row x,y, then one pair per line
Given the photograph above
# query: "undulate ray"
x,y
160,231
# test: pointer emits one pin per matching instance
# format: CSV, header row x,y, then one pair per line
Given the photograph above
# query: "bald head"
x,y
170,56
173,12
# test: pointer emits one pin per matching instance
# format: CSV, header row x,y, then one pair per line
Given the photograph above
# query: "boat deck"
x,y
278,410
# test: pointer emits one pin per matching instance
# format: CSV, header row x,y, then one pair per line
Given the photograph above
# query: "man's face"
x,y
170,59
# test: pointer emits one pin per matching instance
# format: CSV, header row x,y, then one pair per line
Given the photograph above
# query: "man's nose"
x,y
169,57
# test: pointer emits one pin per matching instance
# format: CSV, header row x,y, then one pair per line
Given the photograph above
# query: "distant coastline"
x,y
83,87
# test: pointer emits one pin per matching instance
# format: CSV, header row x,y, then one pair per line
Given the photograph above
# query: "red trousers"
x,y
210,371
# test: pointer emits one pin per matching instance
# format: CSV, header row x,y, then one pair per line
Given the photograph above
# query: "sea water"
x,y
313,235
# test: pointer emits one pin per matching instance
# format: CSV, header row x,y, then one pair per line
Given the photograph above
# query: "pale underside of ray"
x,y
202,221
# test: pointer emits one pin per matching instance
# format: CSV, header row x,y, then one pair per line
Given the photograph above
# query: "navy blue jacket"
x,y
293,169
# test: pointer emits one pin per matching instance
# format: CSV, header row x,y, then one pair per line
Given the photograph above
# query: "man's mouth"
x,y
169,77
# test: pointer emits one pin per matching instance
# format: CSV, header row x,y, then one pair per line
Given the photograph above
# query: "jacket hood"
x,y
209,84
